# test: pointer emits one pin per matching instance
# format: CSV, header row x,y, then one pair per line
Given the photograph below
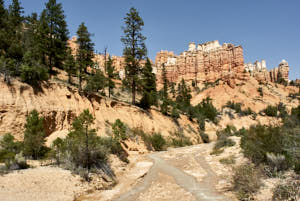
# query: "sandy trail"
x,y
203,190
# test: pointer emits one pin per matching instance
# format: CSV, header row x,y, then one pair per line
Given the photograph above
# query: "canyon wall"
x,y
202,63
260,72
207,62
211,61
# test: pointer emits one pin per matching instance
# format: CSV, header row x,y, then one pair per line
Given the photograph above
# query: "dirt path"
x,y
183,177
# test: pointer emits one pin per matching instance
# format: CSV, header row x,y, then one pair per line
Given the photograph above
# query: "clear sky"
x,y
266,29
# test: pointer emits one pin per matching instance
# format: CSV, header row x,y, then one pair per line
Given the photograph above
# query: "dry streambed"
x,y
177,174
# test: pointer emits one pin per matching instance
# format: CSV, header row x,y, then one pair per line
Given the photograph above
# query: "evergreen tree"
x,y
84,52
34,136
184,95
110,75
54,29
70,65
14,30
135,48
15,14
173,92
148,86
83,135
3,25
96,83
165,82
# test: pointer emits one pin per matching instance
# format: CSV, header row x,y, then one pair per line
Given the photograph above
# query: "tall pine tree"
x,y
14,29
135,48
54,32
3,24
85,52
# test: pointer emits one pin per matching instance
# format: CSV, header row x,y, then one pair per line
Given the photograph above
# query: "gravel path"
x,y
203,190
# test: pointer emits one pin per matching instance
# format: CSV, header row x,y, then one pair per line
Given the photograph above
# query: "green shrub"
x,y
224,142
287,191
119,130
271,111
261,140
237,107
296,112
96,83
260,91
33,74
246,181
205,109
204,137
179,140
158,142
34,136
228,161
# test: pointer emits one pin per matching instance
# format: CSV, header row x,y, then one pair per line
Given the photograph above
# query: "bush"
x,y
277,163
261,140
205,109
158,142
237,107
119,130
33,74
287,191
179,140
34,136
271,111
224,142
228,161
95,83
204,137
260,91
246,181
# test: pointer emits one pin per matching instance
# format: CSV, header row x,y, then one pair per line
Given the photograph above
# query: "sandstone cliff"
x,y
207,62
260,72
60,104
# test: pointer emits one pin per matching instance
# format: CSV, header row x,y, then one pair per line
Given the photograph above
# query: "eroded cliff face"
x,y
211,61
207,62
260,72
60,104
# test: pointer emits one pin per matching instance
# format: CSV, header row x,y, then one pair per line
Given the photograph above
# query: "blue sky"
x,y
266,29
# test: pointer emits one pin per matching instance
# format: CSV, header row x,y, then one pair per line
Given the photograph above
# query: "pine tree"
x,y
85,51
14,30
165,82
15,13
54,32
148,86
84,135
184,95
34,136
70,65
110,76
3,25
96,82
135,48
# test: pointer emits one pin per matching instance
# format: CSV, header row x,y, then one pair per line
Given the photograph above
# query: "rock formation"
x,y
260,72
210,62
207,62
100,59
204,63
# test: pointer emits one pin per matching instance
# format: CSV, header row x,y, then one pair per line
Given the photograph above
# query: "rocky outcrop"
x,y
260,72
204,63
59,105
207,62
